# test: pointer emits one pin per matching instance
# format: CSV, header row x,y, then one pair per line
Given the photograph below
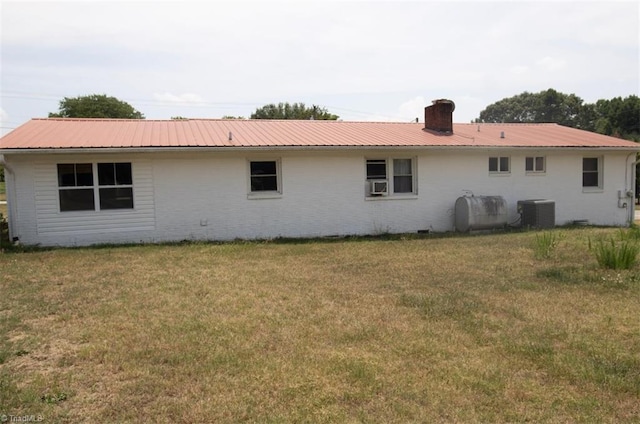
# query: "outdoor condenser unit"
x,y
537,213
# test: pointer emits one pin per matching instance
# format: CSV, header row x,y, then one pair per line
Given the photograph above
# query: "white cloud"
x,y
407,111
413,108
190,98
551,64
519,70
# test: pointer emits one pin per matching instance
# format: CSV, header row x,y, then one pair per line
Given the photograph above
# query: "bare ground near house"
x,y
398,329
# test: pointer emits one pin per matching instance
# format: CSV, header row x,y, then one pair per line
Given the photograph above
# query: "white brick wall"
x,y
204,195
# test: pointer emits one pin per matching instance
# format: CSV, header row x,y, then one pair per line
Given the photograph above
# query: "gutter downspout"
x,y
5,165
10,196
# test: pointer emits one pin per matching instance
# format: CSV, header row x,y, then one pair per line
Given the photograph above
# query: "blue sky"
x,y
363,60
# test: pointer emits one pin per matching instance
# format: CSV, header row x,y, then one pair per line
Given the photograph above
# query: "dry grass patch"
x,y
459,329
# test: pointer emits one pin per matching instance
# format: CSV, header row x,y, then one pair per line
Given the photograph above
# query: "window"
x,y
534,164
591,172
401,170
264,176
402,176
78,192
377,169
75,182
499,165
116,186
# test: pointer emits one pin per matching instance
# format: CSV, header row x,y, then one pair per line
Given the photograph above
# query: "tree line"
x,y
619,117
103,106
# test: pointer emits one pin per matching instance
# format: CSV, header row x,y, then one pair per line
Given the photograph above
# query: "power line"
x,y
187,103
191,103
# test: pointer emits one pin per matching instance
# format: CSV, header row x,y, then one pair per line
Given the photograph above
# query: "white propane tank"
x,y
480,213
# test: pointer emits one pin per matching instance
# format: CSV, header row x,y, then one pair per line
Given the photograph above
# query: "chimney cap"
x,y
440,101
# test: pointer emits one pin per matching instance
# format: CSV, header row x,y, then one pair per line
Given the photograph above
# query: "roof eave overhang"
x,y
112,150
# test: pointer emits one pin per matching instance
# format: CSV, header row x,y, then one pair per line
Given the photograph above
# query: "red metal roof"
x,y
56,133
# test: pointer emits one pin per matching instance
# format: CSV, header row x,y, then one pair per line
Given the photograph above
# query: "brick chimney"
x,y
439,116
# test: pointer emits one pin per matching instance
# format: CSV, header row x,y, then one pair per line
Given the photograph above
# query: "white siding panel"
x,y
20,199
50,221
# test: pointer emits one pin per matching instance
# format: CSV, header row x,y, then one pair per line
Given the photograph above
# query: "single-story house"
x,y
87,181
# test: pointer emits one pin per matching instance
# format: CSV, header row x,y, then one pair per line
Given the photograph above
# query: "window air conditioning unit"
x,y
379,187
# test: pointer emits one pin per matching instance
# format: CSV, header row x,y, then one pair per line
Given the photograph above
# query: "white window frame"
x,y
389,167
265,194
600,171
500,170
534,162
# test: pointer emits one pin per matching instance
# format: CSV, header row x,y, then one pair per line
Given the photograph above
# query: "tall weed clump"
x,y
620,254
545,244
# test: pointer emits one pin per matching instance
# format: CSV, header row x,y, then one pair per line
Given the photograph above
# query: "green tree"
x,y
292,111
95,106
545,106
1,173
618,117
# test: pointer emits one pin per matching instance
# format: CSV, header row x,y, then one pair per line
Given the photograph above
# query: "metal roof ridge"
x,y
310,121
56,118
510,123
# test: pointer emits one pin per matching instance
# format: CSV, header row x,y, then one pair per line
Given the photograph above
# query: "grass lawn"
x,y
435,329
